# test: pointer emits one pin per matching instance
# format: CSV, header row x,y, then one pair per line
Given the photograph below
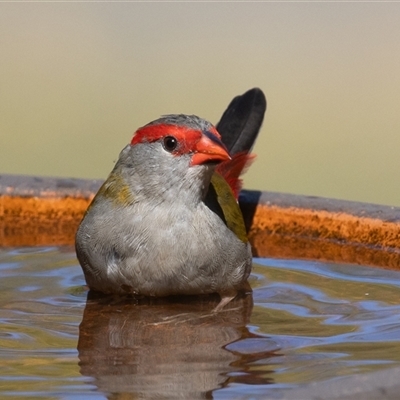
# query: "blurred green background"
x,y
77,79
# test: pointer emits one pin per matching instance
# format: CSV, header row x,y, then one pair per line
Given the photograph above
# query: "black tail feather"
x,y
242,120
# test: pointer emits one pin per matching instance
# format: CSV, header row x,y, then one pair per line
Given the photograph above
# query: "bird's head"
x,y
184,135
174,151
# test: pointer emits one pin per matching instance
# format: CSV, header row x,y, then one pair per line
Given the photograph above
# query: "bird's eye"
x,y
170,143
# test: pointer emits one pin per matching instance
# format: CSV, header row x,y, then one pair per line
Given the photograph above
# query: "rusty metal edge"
x,y
46,211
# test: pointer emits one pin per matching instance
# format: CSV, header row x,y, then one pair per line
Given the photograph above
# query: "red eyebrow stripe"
x,y
152,133
187,137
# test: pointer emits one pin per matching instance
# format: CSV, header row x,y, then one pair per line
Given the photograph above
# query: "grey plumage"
x,y
158,241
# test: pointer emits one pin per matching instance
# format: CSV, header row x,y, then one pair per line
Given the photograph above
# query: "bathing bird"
x,y
167,220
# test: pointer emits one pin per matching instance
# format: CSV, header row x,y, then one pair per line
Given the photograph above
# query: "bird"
x,y
167,221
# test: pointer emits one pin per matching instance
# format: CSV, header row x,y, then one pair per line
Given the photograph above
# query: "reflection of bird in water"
x,y
128,348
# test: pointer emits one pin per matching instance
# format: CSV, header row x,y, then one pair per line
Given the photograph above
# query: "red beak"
x,y
209,149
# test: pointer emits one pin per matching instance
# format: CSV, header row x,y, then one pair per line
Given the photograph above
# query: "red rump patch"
x,y
232,169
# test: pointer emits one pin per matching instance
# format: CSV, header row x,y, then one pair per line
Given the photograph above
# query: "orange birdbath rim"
x,y
41,211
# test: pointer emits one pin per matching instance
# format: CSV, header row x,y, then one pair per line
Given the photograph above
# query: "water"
x,y
306,322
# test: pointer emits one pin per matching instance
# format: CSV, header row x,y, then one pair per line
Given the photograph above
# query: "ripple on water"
x,y
308,321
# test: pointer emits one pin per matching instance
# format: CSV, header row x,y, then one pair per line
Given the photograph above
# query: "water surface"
x,y
306,322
